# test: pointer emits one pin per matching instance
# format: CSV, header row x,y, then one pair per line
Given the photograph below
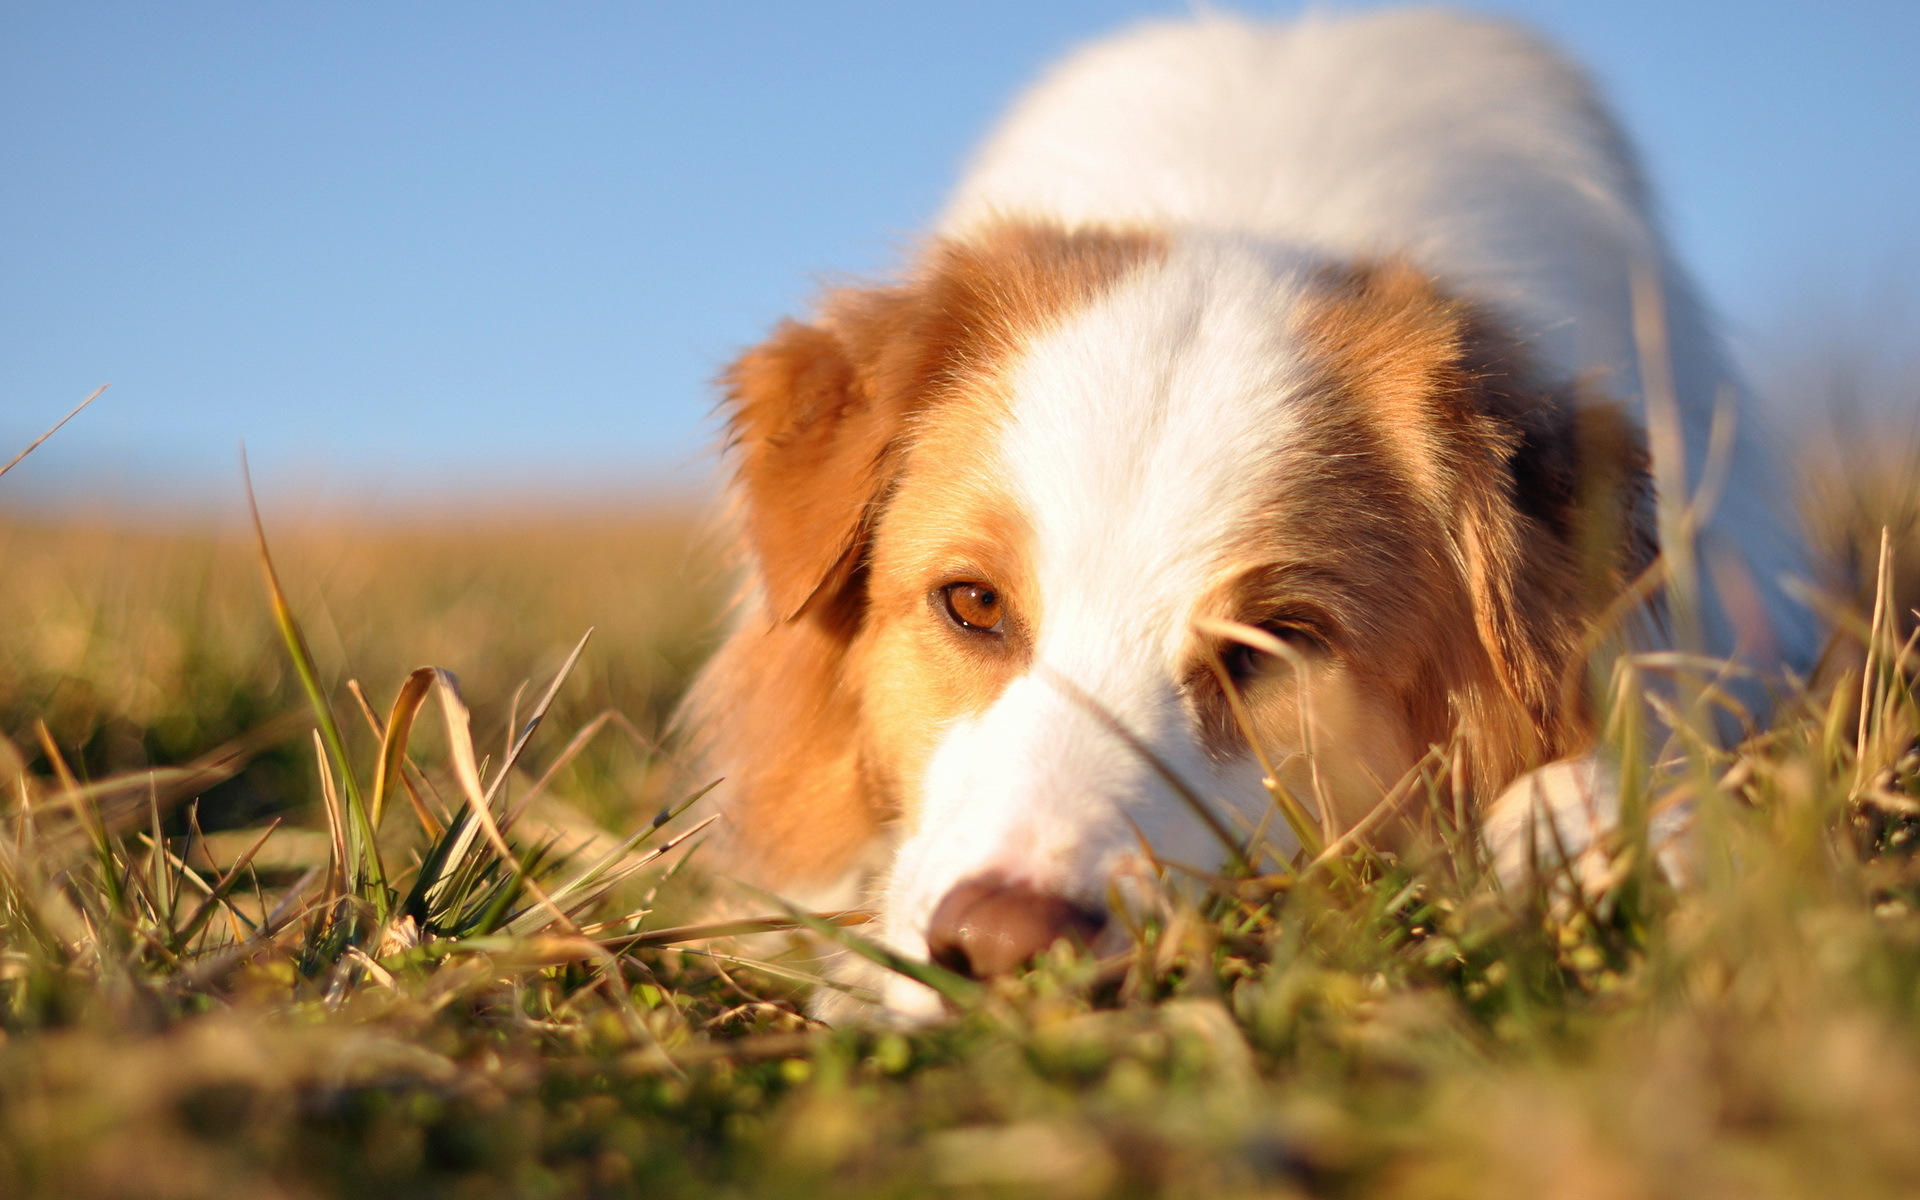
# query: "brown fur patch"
x,y
1523,509
824,420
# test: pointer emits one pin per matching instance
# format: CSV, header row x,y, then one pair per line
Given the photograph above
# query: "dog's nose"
x,y
987,927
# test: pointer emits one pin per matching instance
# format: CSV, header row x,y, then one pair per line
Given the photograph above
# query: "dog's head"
x,y
1002,517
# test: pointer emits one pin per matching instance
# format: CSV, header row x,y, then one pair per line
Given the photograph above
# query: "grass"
x,y
456,970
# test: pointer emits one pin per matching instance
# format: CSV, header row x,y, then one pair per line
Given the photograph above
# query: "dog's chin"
x,y
909,1003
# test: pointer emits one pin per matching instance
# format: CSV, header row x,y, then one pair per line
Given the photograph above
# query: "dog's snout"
x,y
986,927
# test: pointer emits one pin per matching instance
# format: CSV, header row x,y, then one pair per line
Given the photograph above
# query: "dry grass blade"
x,y
466,770
1389,804
585,735
744,927
15,460
78,801
781,970
222,888
393,739
38,908
278,920
955,989
410,778
465,764
1878,673
582,737
161,881
607,871
84,811
337,862
538,715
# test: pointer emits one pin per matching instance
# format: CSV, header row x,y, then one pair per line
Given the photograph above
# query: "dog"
x,y
1269,397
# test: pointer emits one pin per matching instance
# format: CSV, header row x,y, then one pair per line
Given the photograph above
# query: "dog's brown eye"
x,y
1243,662
973,606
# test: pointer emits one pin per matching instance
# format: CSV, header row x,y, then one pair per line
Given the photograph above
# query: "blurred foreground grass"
x,y
473,1008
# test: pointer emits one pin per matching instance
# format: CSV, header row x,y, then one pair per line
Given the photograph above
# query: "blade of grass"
x,y
460,741
955,989
163,880
221,888
89,818
746,926
15,460
783,971
339,866
362,847
581,738
1870,672
1389,804
456,855
393,741
410,778
538,715
603,873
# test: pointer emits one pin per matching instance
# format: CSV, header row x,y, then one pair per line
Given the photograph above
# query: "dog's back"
x,y
1464,144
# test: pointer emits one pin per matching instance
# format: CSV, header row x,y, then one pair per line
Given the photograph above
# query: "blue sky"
x,y
410,250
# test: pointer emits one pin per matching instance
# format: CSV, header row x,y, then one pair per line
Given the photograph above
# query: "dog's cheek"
x,y
911,698
1342,736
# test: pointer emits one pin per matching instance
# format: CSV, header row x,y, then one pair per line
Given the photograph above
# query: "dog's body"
x,y
1324,330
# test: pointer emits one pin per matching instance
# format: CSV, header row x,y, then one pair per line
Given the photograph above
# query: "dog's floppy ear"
x,y
819,415
813,444
1542,495
817,433
1555,520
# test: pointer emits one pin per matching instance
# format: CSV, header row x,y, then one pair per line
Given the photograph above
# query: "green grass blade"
x,y
956,989
364,851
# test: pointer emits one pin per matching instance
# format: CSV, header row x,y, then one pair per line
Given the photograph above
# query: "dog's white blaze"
x,y
1141,436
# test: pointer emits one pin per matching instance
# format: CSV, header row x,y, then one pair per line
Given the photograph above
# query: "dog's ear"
x,y
817,427
1542,495
819,416
813,445
1555,521
816,435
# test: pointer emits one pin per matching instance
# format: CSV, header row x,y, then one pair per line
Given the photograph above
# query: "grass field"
x,y
391,997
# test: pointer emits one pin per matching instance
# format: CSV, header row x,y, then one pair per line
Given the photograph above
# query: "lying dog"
x,y
1324,331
